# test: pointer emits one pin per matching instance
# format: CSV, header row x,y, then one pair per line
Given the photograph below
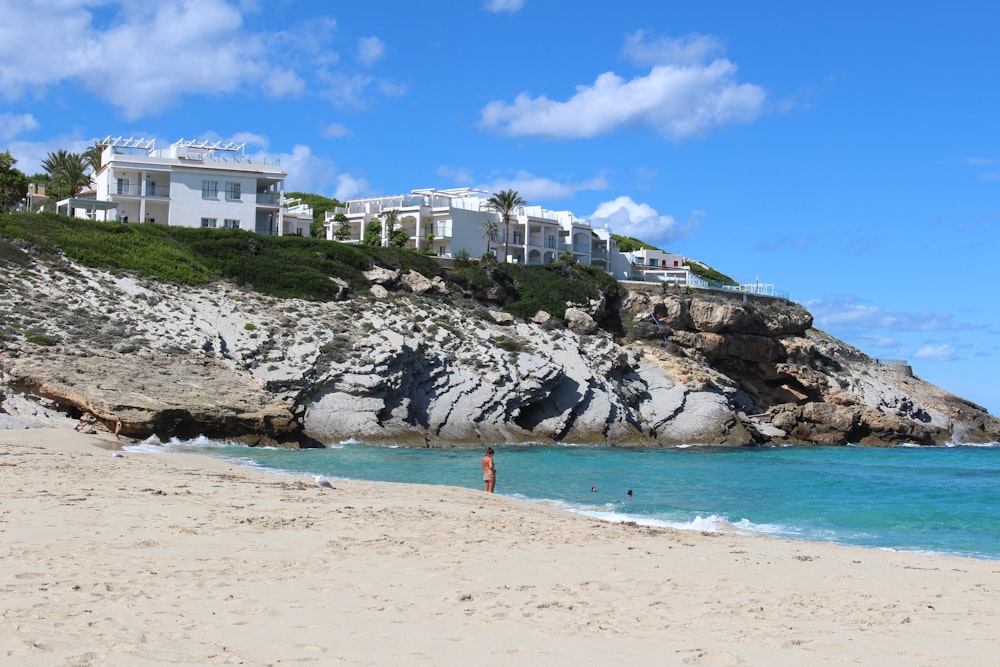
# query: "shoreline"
x,y
186,559
707,520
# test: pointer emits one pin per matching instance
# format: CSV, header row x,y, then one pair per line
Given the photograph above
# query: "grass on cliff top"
x,y
708,273
283,266
280,266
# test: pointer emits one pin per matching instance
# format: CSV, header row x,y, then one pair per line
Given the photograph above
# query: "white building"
x,y
447,222
296,218
189,184
654,265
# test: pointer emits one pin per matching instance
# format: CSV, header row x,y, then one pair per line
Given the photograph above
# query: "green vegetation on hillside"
x,y
631,244
708,273
293,266
281,266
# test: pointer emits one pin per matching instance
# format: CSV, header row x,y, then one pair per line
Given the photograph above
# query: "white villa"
x,y
447,222
188,184
651,264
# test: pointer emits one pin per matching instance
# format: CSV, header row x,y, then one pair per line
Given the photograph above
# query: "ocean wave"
x,y
711,523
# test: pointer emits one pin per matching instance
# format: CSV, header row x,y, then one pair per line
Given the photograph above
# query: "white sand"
x,y
169,559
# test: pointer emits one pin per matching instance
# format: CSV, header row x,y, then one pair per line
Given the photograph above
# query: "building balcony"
x,y
269,199
153,191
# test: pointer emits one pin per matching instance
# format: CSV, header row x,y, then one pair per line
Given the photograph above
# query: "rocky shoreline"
x,y
417,362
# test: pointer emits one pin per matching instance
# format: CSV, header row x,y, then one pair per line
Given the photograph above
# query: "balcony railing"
x,y
152,190
268,199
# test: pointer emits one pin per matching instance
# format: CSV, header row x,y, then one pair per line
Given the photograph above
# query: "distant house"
x,y
188,184
296,218
447,222
654,265
36,199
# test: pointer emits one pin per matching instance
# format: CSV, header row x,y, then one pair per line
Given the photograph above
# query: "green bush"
x,y
40,339
279,266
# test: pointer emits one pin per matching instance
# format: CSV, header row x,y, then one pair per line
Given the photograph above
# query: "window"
x,y
231,223
150,188
210,189
208,223
122,186
232,190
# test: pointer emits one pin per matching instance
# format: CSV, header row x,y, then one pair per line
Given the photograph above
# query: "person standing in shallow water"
x,y
489,471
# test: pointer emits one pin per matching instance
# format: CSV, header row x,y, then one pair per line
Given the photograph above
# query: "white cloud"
x,y
144,57
353,91
335,131
878,341
688,50
942,352
31,57
281,82
370,49
628,218
348,186
308,172
30,154
147,57
679,100
847,313
12,125
250,138
537,188
208,54
460,175
510,6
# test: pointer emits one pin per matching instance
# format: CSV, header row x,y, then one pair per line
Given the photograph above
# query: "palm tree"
x,y
92,157
490,229
67,170
52,164
504,203
391,219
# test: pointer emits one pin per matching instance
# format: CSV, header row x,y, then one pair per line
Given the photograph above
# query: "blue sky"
x,y
846,152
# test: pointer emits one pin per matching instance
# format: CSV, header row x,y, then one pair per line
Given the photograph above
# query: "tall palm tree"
x,y
67,170
505,202
490,229
92,157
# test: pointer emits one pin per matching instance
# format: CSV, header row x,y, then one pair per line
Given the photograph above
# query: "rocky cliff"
x,y
416,361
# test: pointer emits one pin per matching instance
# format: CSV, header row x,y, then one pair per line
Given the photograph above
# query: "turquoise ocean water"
x,y
933,499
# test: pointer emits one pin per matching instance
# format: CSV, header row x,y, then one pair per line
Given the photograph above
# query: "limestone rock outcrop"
x,y
410,362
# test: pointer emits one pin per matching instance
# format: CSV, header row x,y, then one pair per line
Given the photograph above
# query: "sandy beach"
x,y
146,559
